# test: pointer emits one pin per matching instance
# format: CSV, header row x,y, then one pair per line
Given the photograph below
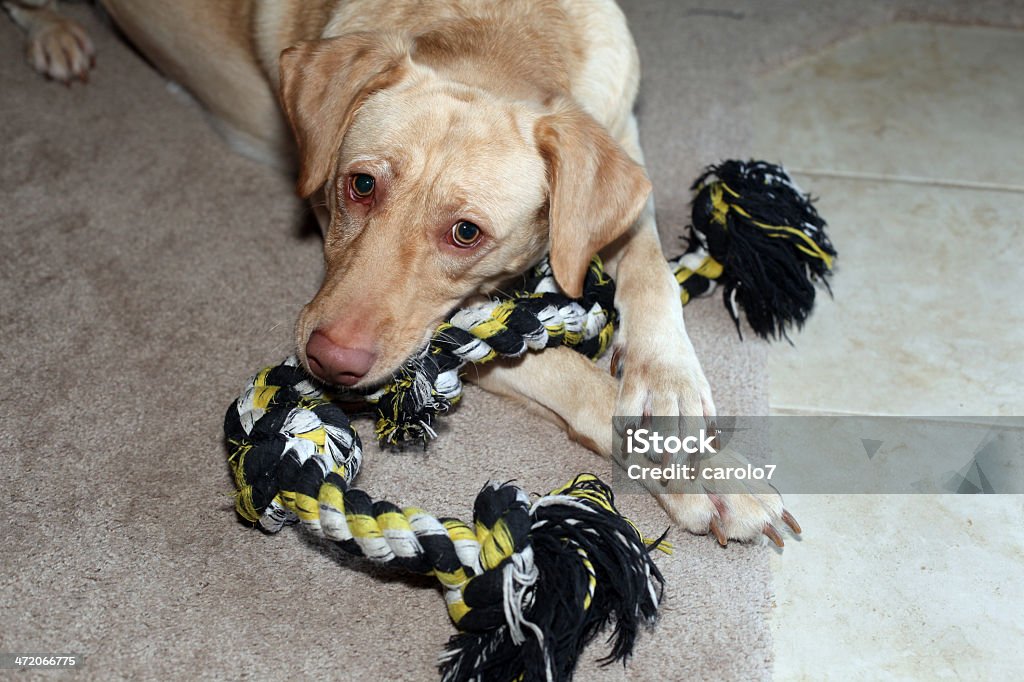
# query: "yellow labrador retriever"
x,y
446,145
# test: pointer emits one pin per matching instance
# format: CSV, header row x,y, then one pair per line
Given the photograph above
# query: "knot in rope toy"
x,y
528,584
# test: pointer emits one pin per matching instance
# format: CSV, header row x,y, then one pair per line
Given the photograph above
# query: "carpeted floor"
x,y
147,271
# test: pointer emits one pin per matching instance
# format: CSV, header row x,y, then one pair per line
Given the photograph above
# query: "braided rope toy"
x,y
528,584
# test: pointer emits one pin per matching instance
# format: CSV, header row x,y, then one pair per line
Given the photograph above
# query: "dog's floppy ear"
x,y
596,191
323,82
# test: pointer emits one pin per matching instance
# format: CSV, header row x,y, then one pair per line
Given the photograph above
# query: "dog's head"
x,y
436,191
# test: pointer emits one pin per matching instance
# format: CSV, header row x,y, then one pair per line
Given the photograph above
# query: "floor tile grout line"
x,y
908,180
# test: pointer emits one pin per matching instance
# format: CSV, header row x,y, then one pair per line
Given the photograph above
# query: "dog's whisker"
x,y
504,293
445,336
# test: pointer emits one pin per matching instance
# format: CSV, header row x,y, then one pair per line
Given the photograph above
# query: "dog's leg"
x,y
661,374
56,46
570,390
560,385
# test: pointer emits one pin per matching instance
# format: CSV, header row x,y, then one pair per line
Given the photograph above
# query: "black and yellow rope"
x,y
528,583
535,318
758,236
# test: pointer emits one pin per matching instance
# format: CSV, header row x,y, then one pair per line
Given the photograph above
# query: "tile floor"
x,y
913,137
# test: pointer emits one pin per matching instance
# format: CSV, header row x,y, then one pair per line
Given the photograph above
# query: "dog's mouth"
x,y
402,359
411,367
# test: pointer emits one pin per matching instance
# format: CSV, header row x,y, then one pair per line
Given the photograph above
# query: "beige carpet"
x,y
146,271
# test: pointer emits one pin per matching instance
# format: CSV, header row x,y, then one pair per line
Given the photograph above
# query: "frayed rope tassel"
x,y
758,236
529,584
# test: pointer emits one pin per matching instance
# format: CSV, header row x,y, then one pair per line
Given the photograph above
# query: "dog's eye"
x,y
465,234
361,186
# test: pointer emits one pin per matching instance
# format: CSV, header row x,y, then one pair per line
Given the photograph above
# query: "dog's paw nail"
x,y
791,522
716,530
617,364
773,535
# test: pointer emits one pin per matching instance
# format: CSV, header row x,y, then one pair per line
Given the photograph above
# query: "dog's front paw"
x,y
711,499
60,49
664,381
662,377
